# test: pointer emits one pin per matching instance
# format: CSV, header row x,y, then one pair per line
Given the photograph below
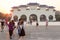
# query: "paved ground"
x,y
35,33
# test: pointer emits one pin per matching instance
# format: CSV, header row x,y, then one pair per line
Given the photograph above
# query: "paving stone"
x,y
34,33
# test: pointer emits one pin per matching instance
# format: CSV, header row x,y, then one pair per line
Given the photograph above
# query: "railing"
x,y
49,23
43,23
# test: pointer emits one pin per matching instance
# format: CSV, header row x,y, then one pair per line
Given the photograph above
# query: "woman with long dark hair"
x,y
21,31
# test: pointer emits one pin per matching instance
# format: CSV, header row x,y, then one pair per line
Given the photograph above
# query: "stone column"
x,y
12,17
27,18
47,17
54,18
38,17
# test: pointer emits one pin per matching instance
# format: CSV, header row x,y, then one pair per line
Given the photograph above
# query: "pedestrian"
x,y
37,24
11,28
46,24
21,31
2,25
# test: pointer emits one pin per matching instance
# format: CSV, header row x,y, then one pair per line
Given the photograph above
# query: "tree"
x,y
57,17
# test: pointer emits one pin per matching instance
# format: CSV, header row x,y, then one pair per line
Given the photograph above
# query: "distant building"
x,y
34,12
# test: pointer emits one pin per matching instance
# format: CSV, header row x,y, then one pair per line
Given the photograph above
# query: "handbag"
x,y
19,29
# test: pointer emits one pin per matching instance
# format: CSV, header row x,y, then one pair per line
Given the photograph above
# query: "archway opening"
x,y
50,18
15,18
42,17
24,17
33,17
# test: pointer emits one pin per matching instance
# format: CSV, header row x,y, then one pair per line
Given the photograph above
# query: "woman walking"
x,y
21,31
37,24
11,28
2,25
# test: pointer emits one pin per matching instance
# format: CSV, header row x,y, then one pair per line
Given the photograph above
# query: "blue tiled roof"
x,y
51,7
32,4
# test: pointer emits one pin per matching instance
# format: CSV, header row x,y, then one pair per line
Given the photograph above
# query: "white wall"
x,y
35,11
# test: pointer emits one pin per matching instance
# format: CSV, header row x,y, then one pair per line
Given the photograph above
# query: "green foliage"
x,y
5,16
57,17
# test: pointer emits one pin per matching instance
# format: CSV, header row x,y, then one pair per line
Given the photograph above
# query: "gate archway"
x,y
15,18
42,17
24,17
33,17
50,17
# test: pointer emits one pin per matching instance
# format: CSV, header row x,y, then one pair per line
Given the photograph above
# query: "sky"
x,y
5,5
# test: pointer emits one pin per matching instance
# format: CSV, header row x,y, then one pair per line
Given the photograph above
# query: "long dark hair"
x,y
12,22
20,21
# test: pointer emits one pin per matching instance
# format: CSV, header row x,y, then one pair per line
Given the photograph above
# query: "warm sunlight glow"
x,y
5,5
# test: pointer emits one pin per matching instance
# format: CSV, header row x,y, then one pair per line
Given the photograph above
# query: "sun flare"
x,y
4,7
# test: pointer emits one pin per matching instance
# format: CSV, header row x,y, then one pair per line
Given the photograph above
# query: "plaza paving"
x,y
34,33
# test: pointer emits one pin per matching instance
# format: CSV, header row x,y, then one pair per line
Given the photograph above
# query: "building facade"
x,y
34,12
